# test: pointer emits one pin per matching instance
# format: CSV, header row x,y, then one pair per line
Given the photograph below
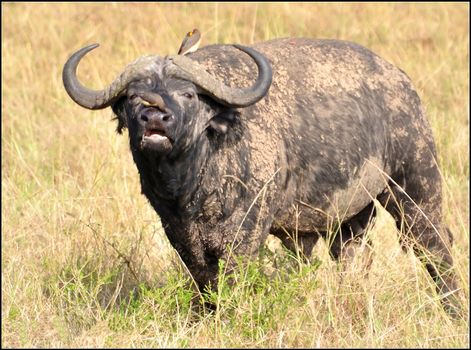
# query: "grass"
x,y
85,262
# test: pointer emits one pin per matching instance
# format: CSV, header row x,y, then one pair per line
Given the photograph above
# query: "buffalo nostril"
x,y
153,115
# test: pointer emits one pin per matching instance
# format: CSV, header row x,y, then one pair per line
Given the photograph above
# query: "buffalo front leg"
x,y
218,258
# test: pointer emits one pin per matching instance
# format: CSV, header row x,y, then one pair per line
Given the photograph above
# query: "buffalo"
x,y
292,137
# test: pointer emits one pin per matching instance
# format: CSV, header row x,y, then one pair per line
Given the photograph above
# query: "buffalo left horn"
x,y
186,68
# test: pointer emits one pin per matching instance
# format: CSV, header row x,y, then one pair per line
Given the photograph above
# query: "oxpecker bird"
x,y
190,42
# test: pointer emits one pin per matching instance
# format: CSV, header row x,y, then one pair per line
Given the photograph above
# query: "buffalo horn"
x,y
98,99
186,68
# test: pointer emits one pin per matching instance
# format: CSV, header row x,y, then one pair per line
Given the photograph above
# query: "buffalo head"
x,y
166,102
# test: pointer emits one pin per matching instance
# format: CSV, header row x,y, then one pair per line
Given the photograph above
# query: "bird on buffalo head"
x,y
190,43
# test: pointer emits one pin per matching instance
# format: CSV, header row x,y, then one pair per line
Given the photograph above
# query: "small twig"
x,y
126,260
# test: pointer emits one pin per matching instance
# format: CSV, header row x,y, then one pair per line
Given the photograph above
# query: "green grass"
x,y
85,262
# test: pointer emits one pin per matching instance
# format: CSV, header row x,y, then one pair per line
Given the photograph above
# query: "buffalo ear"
x,y
119,109
221,122
220,118
219,125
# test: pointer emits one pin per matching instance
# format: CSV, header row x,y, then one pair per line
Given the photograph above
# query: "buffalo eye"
x,y
188,95
133,98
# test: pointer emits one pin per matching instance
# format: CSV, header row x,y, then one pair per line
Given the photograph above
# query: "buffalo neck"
x,y
170,183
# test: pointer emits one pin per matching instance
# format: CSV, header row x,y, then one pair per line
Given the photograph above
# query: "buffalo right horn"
x,y
98,99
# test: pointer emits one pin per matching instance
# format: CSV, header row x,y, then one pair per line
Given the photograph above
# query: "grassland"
x,y
85,262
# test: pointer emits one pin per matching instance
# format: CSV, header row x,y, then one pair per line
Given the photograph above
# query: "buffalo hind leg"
x,y
416,208
349,239
299,243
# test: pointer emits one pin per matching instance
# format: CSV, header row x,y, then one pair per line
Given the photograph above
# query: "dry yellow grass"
x,y
77,234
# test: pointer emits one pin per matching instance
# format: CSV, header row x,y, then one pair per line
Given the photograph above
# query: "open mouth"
x,y
156,134
156,140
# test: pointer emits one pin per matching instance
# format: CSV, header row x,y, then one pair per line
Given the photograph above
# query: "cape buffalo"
x,y
293,137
